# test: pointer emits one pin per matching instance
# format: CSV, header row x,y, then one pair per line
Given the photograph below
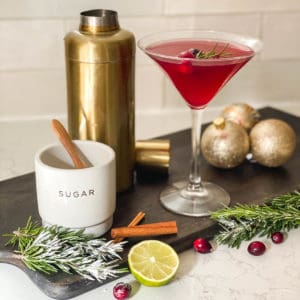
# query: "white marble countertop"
x,y
224,274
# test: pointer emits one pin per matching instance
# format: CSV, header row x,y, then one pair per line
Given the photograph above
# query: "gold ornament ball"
x,y
225,144
273,142
242,114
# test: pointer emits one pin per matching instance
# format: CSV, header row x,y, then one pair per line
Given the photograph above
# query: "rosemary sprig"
x,y
213,53
24,236
243,222
50,249
290,199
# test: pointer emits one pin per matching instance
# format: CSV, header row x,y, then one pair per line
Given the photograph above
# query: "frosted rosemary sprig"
x,y
234,232
243,222
57,248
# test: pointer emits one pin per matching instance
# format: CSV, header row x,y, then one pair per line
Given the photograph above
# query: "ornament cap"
x,y
242,114
219,123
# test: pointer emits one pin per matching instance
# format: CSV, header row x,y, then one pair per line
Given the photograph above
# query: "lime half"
x,y
153,263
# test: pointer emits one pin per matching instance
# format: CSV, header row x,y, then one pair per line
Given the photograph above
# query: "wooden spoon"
x,y
66,141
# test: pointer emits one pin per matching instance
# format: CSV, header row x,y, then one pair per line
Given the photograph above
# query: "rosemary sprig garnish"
x,y
243,222
50,249
213,53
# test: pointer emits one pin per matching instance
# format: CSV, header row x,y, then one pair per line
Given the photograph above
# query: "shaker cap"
x,y
99,20
99,39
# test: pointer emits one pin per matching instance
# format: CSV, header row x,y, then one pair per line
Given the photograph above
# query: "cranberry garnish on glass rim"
x,y
194,51
191,53
186,54
186,67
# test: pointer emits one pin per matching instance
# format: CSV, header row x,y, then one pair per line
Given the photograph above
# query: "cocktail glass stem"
x,y
194,197
194,177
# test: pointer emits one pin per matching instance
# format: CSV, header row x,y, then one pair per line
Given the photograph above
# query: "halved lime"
x,y
153,263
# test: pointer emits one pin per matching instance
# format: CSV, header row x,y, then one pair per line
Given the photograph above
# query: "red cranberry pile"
x,y
255,248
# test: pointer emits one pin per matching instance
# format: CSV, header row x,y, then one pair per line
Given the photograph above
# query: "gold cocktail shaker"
x,y
100,64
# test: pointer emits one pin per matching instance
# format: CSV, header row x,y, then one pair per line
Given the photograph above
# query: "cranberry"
x,y
191,53
186,54
202,246
121,290
186,67
256,248
277,237
194,51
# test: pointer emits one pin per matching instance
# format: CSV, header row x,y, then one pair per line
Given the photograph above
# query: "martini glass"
x,y
198,80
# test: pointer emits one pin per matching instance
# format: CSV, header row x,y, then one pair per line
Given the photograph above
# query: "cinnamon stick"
x,y
161,228
159,224
136,220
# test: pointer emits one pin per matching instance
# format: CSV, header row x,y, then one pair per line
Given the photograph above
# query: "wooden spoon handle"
x,y
66,141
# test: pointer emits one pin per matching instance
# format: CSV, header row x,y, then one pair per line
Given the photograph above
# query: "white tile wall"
x,y
71,8
31,44
280,32
149,78
32,76
27,8
248,24
192,7
32,93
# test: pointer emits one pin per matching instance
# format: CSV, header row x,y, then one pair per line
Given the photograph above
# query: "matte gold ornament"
x,y
225,144
273,142
242,114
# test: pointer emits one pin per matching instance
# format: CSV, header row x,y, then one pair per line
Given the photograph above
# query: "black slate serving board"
x,y
248,183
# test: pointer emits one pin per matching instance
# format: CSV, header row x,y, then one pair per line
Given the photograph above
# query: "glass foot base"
x,y
197,203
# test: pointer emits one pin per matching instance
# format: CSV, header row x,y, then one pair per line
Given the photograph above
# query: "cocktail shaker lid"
x,y
99,20
99,39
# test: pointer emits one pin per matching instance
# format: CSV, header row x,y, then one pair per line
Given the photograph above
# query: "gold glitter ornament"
x,y
224,144
242,114
273,142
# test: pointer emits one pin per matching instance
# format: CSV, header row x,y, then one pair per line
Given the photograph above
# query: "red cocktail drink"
x,y
198,80
199,63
